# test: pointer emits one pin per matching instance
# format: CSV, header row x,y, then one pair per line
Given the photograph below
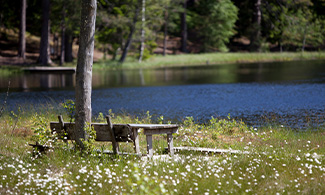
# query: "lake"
x,y
291,93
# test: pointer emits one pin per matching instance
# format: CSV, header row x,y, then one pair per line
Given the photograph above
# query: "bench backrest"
x,y
65,130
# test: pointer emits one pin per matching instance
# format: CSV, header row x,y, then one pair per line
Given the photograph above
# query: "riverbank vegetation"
x,y
278,159
210,59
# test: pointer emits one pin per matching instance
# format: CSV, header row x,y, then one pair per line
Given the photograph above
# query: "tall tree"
x,y
184,28
132,30
213,24
63,27
255,40
84,70
143,22
44,55
22,30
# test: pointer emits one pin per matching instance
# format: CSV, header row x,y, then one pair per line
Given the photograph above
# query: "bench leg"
x,y
136,141
149,145
170,144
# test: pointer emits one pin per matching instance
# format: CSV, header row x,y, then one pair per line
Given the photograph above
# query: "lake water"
x,y
291,92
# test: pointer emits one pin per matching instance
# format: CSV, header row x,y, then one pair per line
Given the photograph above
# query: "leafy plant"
x,y
70,107
91,137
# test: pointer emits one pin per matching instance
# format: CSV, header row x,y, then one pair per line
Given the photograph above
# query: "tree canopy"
x,y
211,25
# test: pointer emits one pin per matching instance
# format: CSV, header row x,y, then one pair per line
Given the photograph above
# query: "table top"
x,y
153,126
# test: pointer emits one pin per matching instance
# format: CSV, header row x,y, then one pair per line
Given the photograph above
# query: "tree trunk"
x,y
165,31
84,70
22,30
62,53
142,30
68,40
304,39
44,56
255,44
184,28
129,40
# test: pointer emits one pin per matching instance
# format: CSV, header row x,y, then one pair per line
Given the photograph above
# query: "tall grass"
x,y
279,160
211,58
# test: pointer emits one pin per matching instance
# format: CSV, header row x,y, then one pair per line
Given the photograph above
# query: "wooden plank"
x,y
153,126
170,144
110,129
210,150
149,145
159,131
136,140
122,132
51,69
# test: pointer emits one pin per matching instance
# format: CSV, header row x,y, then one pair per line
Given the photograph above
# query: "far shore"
x,y
159,61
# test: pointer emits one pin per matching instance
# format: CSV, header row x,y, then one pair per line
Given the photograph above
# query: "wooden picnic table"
x,y
116,133
154,129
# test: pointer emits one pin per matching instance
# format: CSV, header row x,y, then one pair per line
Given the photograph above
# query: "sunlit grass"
x,y
211,58
279,160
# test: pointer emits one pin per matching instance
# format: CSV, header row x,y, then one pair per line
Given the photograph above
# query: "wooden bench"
x,y
116,133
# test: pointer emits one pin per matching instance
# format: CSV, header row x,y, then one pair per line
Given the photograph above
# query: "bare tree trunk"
x,y
68,40
44,57
22,30
304,39
184,28
142,30
129,40
165,31
255,44
84,70
62,53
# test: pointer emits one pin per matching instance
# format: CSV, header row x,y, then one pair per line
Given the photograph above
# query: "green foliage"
x,y
42,133
69,106
89,143
214,22
228,126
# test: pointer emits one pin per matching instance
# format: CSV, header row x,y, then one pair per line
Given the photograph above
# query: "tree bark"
x,y
68,40
44,57
142,30
62,52
22,30
84,70
165,31
184,28
129,40
255,44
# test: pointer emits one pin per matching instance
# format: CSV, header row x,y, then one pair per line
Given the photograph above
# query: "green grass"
x,y
211,58
280,160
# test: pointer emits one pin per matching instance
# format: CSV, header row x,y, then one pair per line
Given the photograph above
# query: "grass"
x,y
280,160
211,58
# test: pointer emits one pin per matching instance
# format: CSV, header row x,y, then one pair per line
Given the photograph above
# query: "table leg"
x,y
149,145
170,144
136,141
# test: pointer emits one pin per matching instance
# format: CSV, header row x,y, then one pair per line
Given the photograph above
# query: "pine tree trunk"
x,y
22,30
68,40
62,53
255,44
129,40
142,30
44,57
84,70
165,31
184,28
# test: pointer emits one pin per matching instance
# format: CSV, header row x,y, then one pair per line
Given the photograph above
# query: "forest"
x,y
142,28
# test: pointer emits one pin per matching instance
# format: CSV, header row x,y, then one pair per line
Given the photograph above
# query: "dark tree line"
x,y
138,27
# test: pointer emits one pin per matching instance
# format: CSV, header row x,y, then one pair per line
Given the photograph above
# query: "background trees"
x,y
173,26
